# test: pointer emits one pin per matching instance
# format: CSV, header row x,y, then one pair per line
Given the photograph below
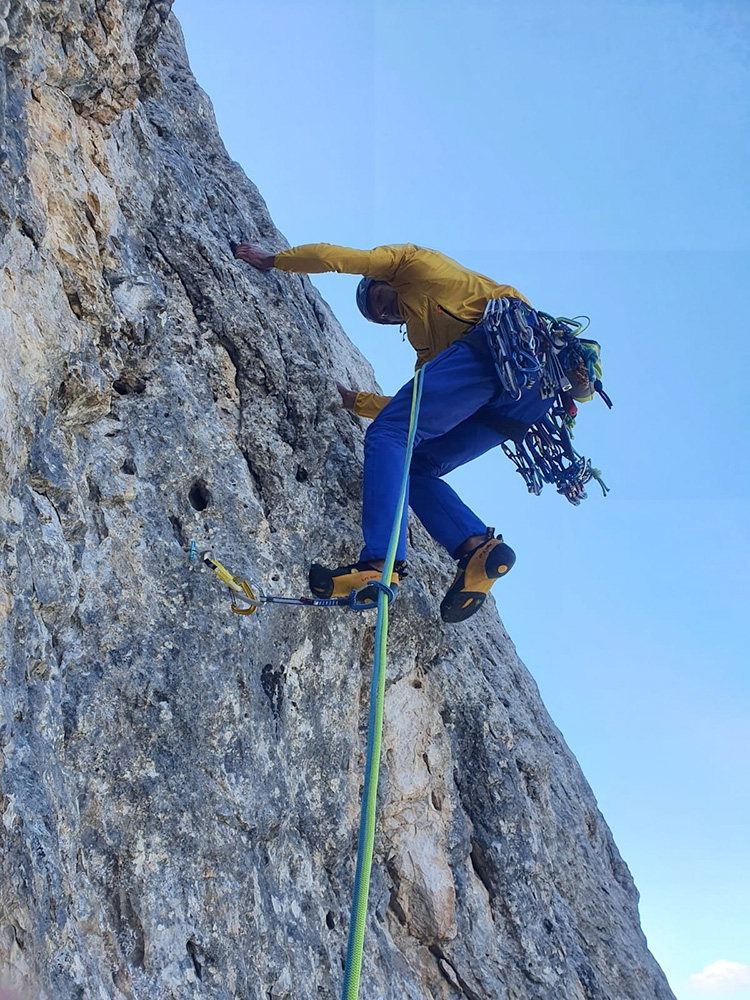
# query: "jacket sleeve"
x,y
369,404
382,263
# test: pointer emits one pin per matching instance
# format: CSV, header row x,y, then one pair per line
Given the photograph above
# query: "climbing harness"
x,y
529,346
248,597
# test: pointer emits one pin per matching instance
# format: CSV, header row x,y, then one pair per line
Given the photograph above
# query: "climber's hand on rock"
x,y
348,396
259,258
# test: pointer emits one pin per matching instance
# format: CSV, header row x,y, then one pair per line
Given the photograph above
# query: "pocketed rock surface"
x,y
180,785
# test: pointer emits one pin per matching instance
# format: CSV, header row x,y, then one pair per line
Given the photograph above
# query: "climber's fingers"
x,y
256,256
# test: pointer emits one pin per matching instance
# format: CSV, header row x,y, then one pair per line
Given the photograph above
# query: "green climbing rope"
x,y
366,845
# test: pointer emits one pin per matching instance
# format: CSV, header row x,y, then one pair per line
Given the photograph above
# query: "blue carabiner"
x,y
353,605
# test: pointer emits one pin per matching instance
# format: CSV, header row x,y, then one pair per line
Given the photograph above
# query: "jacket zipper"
x,y
466,322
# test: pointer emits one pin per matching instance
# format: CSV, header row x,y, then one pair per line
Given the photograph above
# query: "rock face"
x,y
180,785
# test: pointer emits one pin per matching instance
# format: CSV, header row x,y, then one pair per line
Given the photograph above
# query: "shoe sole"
x,y
473,583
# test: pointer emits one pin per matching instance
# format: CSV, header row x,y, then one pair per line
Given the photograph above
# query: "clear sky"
x,y
595,156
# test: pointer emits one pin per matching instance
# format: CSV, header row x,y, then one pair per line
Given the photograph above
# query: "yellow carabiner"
x,y
250,595
236,584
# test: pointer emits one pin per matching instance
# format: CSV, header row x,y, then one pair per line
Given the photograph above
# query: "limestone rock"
x,y
180,785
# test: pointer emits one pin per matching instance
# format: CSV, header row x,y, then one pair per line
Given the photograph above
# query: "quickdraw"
x,y
513,344
525,344
529,346
545,454
248,597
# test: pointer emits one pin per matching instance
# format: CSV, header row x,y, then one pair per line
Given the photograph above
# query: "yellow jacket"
x,y
439,299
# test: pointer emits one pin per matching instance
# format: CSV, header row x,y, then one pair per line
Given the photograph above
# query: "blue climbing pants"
x,y
462,404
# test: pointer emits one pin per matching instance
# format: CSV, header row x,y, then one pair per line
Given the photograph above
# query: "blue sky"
x,y
595,156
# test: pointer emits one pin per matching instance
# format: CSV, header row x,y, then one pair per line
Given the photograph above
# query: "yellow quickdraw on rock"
x,y
237,585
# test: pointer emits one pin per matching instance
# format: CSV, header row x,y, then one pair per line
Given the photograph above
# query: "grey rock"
x,y
180,785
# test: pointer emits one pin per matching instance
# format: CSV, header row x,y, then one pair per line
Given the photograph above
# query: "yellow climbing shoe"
x,y
477,571
342,581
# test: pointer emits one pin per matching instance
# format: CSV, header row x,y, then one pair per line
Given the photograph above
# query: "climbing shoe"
x,y
342,581
477,571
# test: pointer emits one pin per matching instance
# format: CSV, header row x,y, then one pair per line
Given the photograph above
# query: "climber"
x,y
464,411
